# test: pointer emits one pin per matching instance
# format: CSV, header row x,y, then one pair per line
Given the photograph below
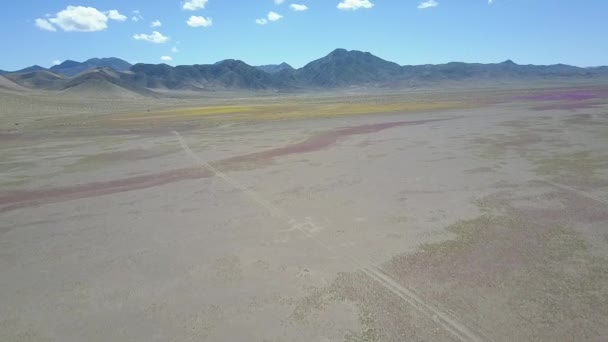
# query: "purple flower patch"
x,y
567,95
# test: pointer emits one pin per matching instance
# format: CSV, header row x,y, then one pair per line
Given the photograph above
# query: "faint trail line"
x,y
576,191
447,322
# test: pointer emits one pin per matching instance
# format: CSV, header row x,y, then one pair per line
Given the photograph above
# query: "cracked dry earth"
x,y
483,224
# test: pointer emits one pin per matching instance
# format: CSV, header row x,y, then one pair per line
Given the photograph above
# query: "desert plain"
x,y
476,214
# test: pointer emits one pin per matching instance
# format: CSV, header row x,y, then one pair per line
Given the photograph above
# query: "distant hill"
x,y
275,68
227,74
9,85
30,69
505,71
43,80
104,82
601,70
344,68
72,68
341,68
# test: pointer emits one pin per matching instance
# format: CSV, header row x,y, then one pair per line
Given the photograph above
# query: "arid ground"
x,y
429,215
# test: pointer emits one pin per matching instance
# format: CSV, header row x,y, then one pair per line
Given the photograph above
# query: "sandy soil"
x,y
482,220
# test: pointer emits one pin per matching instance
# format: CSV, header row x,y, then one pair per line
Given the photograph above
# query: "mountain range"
x,y
72,68
274,68
339,69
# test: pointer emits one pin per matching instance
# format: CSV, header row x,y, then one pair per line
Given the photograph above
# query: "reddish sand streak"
x,y
322,140
20,199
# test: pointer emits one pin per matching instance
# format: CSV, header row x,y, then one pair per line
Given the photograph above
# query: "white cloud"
x,y
193,5
115,15
156,37
428,4
273,16
298,7
278,2
174,49
156,23
56,62
197,21
354,5
166,58
137,16
80,19
45,25
490,2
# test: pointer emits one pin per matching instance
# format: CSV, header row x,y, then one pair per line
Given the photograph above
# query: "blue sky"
x,y
527,31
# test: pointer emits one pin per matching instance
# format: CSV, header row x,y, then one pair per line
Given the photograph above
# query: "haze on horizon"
x,y
408,32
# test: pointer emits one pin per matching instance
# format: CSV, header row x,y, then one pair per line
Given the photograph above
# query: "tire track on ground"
x,y
577,191
450,324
